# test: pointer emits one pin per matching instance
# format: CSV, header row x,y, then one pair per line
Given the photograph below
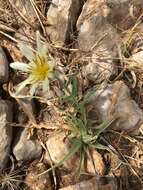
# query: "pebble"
x,y
25,149
4,68
5,131
61,20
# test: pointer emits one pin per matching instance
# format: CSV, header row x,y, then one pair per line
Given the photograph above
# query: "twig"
x,y
8,36
35,10
53,170
20,14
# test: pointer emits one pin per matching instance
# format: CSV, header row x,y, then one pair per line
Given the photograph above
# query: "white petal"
x,y
138,58
33,89
51,63
19,66
41,47
26,50
50,75
38,41
46,85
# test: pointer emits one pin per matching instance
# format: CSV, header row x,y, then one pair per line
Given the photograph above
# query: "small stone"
x,y
61,20
25,149
114,102
4,69
5,131
42,182
61,147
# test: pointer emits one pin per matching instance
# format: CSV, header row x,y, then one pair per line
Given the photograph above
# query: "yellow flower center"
x,y
40,69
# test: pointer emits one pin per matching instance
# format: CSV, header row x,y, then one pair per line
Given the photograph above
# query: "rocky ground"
x,y
85,131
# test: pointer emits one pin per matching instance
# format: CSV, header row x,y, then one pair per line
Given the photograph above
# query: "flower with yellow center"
x,y
39,68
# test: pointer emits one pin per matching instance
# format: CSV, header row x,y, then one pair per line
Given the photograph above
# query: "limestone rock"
x,y
92,7
100,39
124,13
94,184
25,149
61,19
95,33
97,37
4,70
5,131
58,147
114,101
25,8
98,68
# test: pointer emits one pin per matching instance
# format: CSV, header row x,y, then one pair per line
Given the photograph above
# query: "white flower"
x,y
39,68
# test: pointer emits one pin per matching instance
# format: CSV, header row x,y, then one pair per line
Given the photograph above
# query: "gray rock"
x,y
98,68
25,149
4,70
124,13
95,183
5,131
119,2
61,20
100,39
96,31
25,8
114,102
92,7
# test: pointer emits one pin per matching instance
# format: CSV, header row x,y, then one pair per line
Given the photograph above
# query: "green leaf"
x,y
79,124
100,147
82,112
72,95
67,99
81,163
99,129
73,82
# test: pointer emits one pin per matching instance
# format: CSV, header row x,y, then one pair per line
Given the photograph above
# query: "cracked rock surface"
x,y
5,131
114,102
